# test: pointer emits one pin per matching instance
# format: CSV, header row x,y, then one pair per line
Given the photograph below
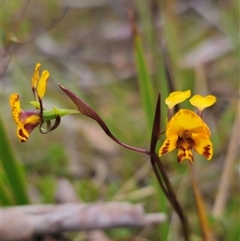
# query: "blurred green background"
x,y
87,46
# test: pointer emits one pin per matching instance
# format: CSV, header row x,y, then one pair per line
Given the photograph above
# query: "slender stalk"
x,y
206,233
160,171
173,200
158,176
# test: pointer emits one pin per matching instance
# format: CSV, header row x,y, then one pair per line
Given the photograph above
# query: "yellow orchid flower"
x,y
28,120
186,131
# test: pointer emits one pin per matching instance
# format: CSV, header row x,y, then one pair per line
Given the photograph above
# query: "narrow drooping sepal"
x,y
85,109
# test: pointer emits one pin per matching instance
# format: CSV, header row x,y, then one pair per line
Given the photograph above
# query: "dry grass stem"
x,y
226,177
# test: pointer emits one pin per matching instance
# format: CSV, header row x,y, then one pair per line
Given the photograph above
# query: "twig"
x,y
67,194
23,222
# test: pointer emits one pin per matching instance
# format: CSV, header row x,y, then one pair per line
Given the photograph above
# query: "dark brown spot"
x,y
190,157
23,137
207,151
190,142
179,142
179,158
165,148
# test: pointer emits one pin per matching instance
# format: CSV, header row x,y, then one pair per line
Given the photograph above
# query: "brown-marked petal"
x,y
203,146
168,145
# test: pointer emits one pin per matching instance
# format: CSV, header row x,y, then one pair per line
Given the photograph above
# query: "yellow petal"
x,y
177,97
42,84
168,145
203,146
35,77
202,102
184,154
15,105
186,120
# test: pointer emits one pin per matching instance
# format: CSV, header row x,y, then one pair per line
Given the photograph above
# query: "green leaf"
x,y
13,170
145,81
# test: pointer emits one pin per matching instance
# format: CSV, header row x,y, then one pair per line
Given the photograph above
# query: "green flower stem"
x,y
52,114
13,170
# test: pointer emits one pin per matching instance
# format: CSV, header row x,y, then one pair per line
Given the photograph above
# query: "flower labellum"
x,y
187,131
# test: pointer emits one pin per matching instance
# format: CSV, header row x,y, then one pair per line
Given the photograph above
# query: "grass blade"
x,y
13,170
